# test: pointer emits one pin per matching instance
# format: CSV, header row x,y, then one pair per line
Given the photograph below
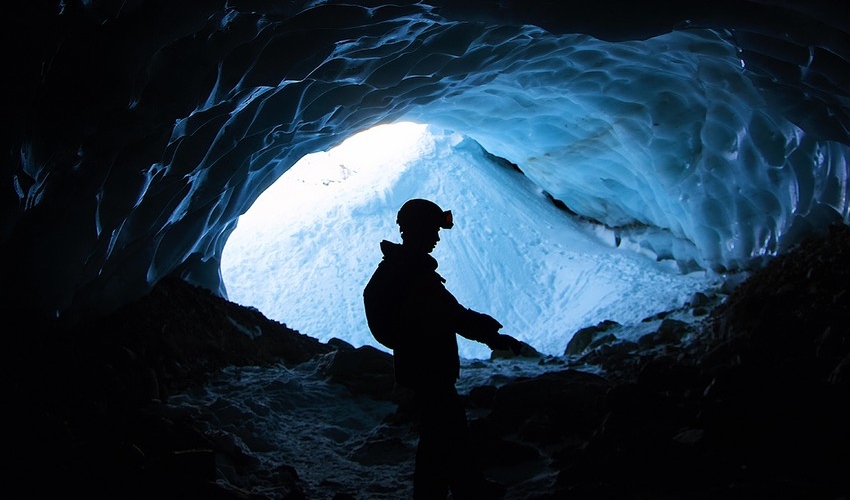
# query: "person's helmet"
x,y
423,214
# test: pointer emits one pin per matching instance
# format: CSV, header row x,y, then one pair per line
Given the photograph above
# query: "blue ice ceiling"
x,y
715,136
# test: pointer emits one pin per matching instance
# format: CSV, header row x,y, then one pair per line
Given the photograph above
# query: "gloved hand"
x,y
504,342
487,323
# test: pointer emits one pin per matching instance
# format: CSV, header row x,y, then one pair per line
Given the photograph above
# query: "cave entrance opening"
x,y
302,252
306,248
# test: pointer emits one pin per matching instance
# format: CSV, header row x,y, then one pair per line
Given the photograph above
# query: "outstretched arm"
x,y
485,329
504,342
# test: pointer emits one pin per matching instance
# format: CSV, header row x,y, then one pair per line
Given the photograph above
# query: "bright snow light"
x,y
309,244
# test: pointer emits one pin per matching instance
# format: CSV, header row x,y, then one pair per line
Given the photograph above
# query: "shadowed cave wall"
x,y
143,130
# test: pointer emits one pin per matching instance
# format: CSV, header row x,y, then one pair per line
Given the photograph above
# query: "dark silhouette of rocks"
x,y
751,401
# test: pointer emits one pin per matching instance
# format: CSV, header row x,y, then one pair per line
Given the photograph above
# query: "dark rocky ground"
x,y
751,401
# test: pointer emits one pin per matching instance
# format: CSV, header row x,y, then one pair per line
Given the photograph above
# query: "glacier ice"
x,y
686,141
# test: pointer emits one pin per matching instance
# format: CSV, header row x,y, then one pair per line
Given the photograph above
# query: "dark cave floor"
x,y
754,404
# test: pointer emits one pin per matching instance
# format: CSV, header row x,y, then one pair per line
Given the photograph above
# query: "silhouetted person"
x,y
410,311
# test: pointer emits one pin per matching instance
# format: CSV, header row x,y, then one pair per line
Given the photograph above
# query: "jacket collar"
x,y
398,252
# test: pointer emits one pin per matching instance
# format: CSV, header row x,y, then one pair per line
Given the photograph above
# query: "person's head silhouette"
x,y
420,221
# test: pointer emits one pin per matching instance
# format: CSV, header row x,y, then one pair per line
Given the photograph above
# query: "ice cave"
x,y
713,135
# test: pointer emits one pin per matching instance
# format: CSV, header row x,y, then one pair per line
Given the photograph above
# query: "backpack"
x,y
380,311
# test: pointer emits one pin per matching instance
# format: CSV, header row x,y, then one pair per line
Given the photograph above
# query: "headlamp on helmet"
x,y
423,214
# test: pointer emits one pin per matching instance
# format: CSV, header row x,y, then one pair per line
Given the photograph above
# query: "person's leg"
x,y
431,474
466,479
430,481
444,458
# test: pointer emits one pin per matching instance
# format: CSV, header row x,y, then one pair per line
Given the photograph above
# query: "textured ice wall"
x,y
146,145
666,139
